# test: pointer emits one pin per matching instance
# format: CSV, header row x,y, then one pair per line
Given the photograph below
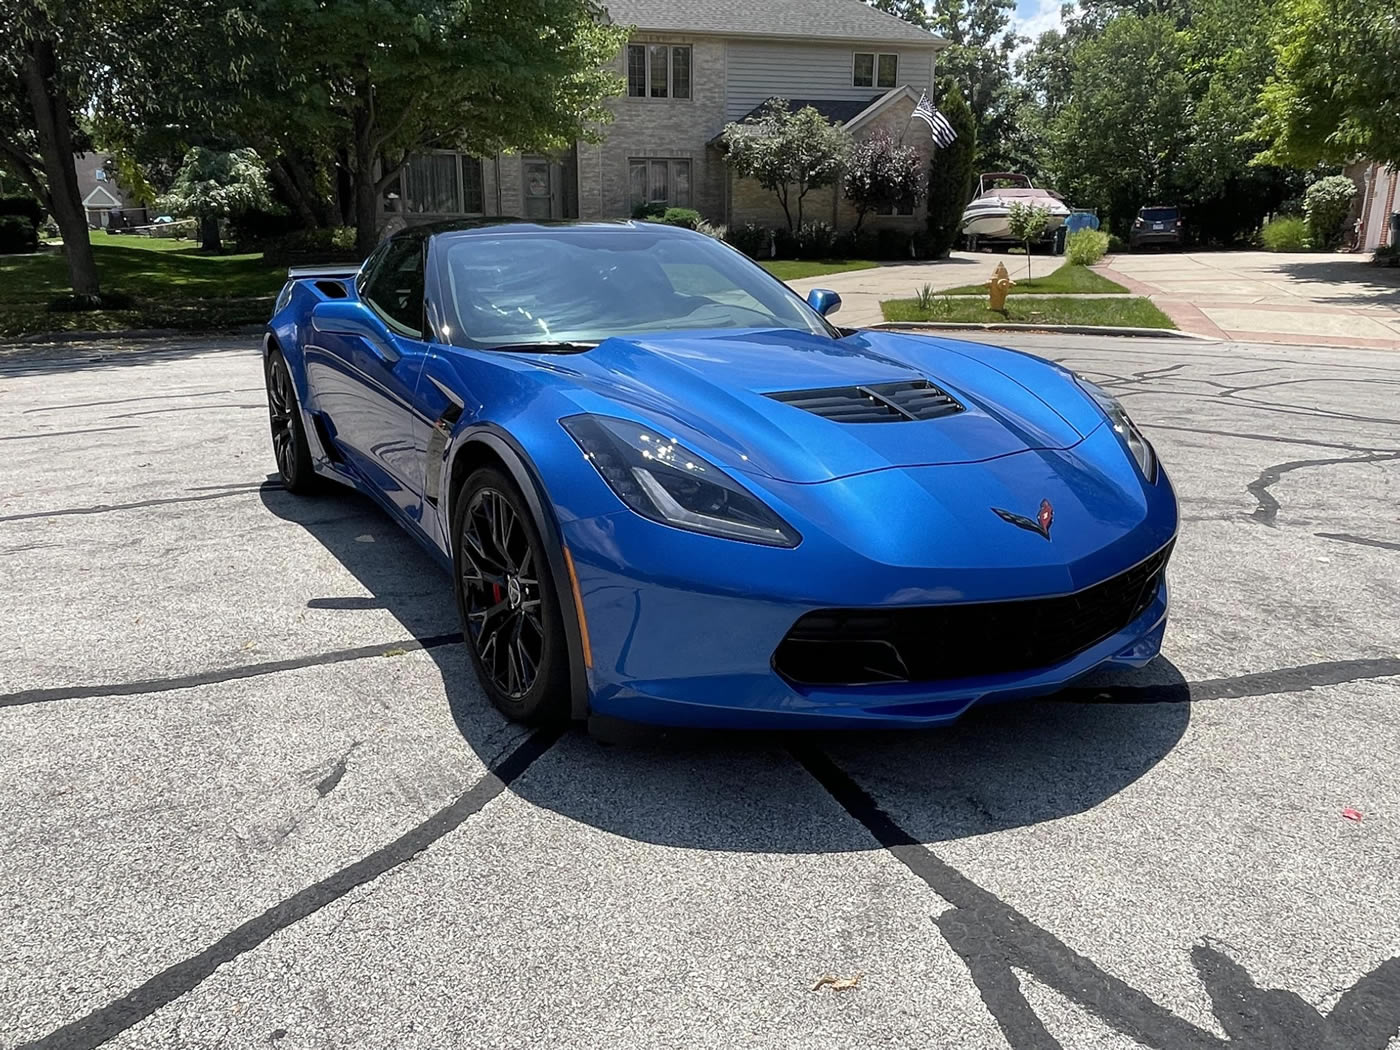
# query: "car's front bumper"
x,y
683,628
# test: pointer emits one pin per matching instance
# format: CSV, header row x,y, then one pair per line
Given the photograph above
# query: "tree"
x,y
950,176
978,59
48,59
789,154
1027,223
1121,141
213,185
356,87
1332,96
883,173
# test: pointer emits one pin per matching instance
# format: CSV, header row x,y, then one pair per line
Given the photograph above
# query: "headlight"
x,y
666,482
1124,427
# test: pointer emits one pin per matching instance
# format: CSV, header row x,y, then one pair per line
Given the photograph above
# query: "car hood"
x,y
709,390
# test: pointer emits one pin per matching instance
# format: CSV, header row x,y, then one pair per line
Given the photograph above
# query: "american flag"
x,y
943,133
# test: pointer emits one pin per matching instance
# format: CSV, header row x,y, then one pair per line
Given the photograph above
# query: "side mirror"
x,y
824,301
349,317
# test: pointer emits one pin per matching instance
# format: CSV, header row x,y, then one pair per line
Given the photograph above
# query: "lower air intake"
x,y
928,643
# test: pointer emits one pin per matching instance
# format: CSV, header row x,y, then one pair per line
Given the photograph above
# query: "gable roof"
x,y
823,20
843,112
93,201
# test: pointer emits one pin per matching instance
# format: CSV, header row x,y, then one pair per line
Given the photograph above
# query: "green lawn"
x,y
173,286
1128,312
795,269
1068,279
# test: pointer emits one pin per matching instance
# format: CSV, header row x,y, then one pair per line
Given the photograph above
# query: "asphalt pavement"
x,y
253,797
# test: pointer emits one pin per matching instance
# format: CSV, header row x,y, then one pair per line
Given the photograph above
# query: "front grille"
x,y
936,642
875,402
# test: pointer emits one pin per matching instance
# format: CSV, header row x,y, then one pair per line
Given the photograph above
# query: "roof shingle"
x,y
810,19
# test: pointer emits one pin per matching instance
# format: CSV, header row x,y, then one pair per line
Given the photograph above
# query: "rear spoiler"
x,y
333,270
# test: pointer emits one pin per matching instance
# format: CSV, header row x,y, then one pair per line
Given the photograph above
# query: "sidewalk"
x,y
1309,299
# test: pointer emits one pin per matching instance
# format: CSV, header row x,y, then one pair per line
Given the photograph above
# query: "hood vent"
x,y
874,403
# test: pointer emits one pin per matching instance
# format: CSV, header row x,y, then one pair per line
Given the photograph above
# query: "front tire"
x,y
510,611
289,444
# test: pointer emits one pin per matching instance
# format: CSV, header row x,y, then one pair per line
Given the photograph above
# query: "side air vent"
x,y
332,289
874,403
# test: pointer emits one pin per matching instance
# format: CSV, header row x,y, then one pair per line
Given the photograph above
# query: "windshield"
x,y
1159,214
577,285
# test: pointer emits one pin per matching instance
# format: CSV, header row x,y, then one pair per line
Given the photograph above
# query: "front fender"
x,y
490,441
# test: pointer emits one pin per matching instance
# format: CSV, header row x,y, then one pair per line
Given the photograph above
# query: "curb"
x,y
1068,329
137,334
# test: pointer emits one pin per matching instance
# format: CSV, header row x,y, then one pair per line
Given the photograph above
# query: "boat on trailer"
x,y
986,216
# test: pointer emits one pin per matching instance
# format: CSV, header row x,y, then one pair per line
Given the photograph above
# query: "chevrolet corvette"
x,y
669,490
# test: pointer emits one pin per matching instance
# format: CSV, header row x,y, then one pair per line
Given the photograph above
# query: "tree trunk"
x,y
362,177
281,172
209,238
52,118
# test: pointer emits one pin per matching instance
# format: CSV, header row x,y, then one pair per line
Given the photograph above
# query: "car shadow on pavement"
x,y
1003,766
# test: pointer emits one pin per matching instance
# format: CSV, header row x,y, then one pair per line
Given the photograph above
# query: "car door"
x,y
364,376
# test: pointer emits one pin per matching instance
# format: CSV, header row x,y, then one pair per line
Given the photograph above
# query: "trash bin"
x,y
1060,235
1395,227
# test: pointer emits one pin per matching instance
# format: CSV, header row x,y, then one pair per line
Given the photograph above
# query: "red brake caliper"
x,y
496,593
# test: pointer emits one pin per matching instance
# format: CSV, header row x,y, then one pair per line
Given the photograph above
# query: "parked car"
x,y
1156,225
668,490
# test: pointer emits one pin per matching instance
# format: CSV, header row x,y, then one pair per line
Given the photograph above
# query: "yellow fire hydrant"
x,y
997,287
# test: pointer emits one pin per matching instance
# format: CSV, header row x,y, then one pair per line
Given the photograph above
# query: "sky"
x,y
1034,17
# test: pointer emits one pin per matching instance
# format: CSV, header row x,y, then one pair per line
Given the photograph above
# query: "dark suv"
x,y
1156,225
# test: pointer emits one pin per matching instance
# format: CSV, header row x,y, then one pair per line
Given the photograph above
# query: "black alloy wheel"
x,y
510,613
289,443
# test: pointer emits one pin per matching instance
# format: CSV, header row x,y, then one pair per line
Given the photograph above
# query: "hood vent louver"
x,y
874,402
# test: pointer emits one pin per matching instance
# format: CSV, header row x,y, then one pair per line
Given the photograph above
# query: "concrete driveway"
x,y
862,291
1302,298
253,797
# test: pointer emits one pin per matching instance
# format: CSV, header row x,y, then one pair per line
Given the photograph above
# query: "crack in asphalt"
x,y
107,508
66,433
1268,507
224,674
176,980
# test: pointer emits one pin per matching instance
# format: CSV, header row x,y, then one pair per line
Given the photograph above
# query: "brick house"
x,y
689,69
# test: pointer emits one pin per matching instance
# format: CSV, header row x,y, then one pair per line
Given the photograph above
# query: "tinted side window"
x,y
394,288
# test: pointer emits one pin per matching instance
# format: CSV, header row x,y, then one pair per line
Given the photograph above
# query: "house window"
x,y
657,181
658,71
442,184
872,69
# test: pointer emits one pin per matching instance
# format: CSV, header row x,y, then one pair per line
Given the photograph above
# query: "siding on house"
x,y
762,70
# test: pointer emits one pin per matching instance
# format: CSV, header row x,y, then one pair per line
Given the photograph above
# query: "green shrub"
x,y
648,211
17,234
25,205
718,231
1326,206
687,217
328,244
1286,234
814,240
1086,247
1116,243
750,238
852,245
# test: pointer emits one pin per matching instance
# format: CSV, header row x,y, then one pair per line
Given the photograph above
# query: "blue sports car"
x,y
671,491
